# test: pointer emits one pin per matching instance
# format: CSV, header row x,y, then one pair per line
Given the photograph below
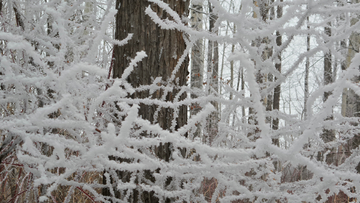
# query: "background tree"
x,y
350,98
212,78
278,63
197,60
329,134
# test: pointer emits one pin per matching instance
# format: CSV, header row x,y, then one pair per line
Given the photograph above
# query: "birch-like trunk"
x,y
277,90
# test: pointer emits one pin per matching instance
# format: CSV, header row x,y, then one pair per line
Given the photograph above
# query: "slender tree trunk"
x,y
277,90
327,135
270,78
197,61
242,89
307,68
163,49
232,81
341,148
259,76
213,69
327,67
231,62
344,93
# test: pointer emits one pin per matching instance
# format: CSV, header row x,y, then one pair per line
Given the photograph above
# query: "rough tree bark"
x,y
163,49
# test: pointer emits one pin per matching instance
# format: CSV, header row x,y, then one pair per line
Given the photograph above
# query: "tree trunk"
x,y
307,68
270,77
213,75
261,78
197,61
232,82
351,100
163,49
327,135
277,90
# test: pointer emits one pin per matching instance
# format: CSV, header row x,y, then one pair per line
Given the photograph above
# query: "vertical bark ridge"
x,y
163,49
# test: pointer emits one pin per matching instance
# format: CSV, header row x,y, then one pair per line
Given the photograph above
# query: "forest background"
x,y
179,101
